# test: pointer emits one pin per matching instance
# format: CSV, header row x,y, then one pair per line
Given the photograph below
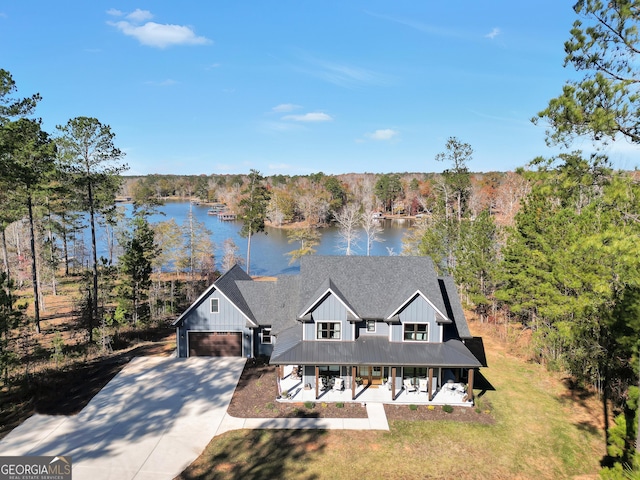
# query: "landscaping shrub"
x,y
447,408
339,405
413,407
309,405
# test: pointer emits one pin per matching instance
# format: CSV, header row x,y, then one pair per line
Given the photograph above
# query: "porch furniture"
x,y
423,385
338,384
409,387
327,382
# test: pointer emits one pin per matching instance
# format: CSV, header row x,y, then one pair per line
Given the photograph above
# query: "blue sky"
x,y
296,87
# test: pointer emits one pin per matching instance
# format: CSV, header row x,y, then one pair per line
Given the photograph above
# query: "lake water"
x,y
268,252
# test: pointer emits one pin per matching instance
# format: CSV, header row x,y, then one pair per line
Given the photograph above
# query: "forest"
x,y
550,250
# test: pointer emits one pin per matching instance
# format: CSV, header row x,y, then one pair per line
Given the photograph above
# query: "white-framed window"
x,y
416,332
266,335
215,305
371,326
328,331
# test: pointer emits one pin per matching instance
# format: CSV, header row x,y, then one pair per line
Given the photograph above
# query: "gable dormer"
x,y
328,316
417,319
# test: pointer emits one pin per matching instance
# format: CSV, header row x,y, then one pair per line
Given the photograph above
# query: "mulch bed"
x,y
255,397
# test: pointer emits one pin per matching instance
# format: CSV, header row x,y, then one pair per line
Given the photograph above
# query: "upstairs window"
x,y
416,332
215,305
371,326
328,331
266,335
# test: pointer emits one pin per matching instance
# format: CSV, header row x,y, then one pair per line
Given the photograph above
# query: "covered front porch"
x,y
315,384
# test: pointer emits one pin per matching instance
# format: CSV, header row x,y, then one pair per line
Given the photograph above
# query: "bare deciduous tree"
x,y
348,220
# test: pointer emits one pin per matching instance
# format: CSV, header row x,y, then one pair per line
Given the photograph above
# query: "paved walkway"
x,y
376,420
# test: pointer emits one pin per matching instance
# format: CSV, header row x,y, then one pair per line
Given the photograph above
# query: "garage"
x,y
215,344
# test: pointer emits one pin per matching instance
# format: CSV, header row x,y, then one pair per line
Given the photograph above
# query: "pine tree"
x,y
136,267
308,238
254,210
31,157
90,158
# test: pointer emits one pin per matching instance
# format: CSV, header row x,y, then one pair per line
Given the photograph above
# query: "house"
x,y
364,322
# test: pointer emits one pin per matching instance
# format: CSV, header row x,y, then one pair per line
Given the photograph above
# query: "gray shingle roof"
x,y
324,287
373,287
228,285
454,307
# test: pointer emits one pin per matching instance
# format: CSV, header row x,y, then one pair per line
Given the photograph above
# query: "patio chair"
x,y
338,384
423,385
409,387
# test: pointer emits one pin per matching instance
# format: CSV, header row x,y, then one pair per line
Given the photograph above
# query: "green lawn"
x,y
537,435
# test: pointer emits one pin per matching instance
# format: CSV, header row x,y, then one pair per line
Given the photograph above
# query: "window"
x,y
416,332
414,372
266,335
371,325
215,305
328,331
329,370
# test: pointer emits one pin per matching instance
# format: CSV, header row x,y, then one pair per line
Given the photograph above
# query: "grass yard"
x,y
541,431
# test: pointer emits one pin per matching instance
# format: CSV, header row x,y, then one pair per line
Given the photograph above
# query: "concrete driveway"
x,y
149,422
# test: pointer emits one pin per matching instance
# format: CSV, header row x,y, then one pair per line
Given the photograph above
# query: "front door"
x,y
370,375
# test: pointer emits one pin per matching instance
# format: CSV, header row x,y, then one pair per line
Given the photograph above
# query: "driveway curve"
x,y
150,421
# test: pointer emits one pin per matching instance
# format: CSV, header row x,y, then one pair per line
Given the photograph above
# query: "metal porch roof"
x,y
290,349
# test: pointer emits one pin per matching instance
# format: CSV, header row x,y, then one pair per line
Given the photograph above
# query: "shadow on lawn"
x,y
591,421
258,454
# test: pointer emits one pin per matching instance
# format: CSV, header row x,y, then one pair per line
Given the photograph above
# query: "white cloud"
x,y
139,16
285,107
154,34
309,117
115,12
382,134
493,33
